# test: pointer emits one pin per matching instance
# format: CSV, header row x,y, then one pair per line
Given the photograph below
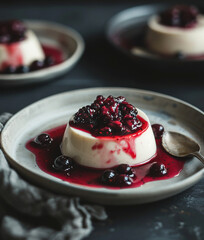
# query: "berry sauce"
x,y
54,53
167,166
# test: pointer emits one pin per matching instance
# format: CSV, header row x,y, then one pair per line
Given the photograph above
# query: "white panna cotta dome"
x,y
21,51
169,40
104,152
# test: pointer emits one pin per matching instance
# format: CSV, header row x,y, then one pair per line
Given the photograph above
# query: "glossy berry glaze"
x,y
181,16
163,166
12,31
111,116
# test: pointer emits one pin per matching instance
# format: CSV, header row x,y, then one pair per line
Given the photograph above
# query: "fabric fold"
x,y
71,219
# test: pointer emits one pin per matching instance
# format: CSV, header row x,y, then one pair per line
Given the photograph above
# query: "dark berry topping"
x,y
4,38
158,130
36,65
111,116
63,163
12,31
157,170
22,69
122,180
180,16
108,177
43,140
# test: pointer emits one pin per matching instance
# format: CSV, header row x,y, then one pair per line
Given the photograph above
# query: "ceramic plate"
x,y
126,31
64,38
53,111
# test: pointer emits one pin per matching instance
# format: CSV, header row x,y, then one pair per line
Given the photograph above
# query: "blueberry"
x,y
49,61
158,130
157,170
124,169
122,180
108,177
43,140
63,163
36,65
179,55
22,69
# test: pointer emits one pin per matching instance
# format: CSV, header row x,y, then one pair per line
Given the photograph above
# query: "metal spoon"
x,y
181,146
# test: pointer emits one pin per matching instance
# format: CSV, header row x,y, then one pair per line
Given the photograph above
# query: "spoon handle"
x,y
199,156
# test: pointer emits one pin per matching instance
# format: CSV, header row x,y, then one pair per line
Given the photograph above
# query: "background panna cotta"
x,y
129,139
179,29
18,46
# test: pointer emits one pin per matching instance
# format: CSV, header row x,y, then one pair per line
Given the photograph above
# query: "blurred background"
x,y
101,64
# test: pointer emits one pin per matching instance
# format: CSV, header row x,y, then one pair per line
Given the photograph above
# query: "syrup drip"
x,y
14,54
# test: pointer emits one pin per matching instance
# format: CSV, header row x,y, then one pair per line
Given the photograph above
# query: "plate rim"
x,y
187,182
64,66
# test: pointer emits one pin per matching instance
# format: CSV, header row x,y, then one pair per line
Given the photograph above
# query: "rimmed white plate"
x,y
55,110
62,37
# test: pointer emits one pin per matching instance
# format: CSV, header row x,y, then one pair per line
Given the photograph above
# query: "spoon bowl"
x,y
180,145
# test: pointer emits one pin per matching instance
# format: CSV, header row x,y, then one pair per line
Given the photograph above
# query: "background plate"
x,y
128,27
68,40
53,111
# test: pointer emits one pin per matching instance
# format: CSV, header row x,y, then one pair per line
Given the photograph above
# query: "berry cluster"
x,y
35,65
107,117
180,16
12,31
120,176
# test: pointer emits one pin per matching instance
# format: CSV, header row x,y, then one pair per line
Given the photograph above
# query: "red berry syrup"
x,y
92,177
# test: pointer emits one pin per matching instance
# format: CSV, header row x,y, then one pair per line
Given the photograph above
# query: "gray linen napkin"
x,y
38,214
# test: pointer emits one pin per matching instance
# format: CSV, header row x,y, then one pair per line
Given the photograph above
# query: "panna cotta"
x,y
179,29
18,45
108,133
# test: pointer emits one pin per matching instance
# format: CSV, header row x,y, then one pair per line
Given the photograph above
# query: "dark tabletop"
x,y
180,217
